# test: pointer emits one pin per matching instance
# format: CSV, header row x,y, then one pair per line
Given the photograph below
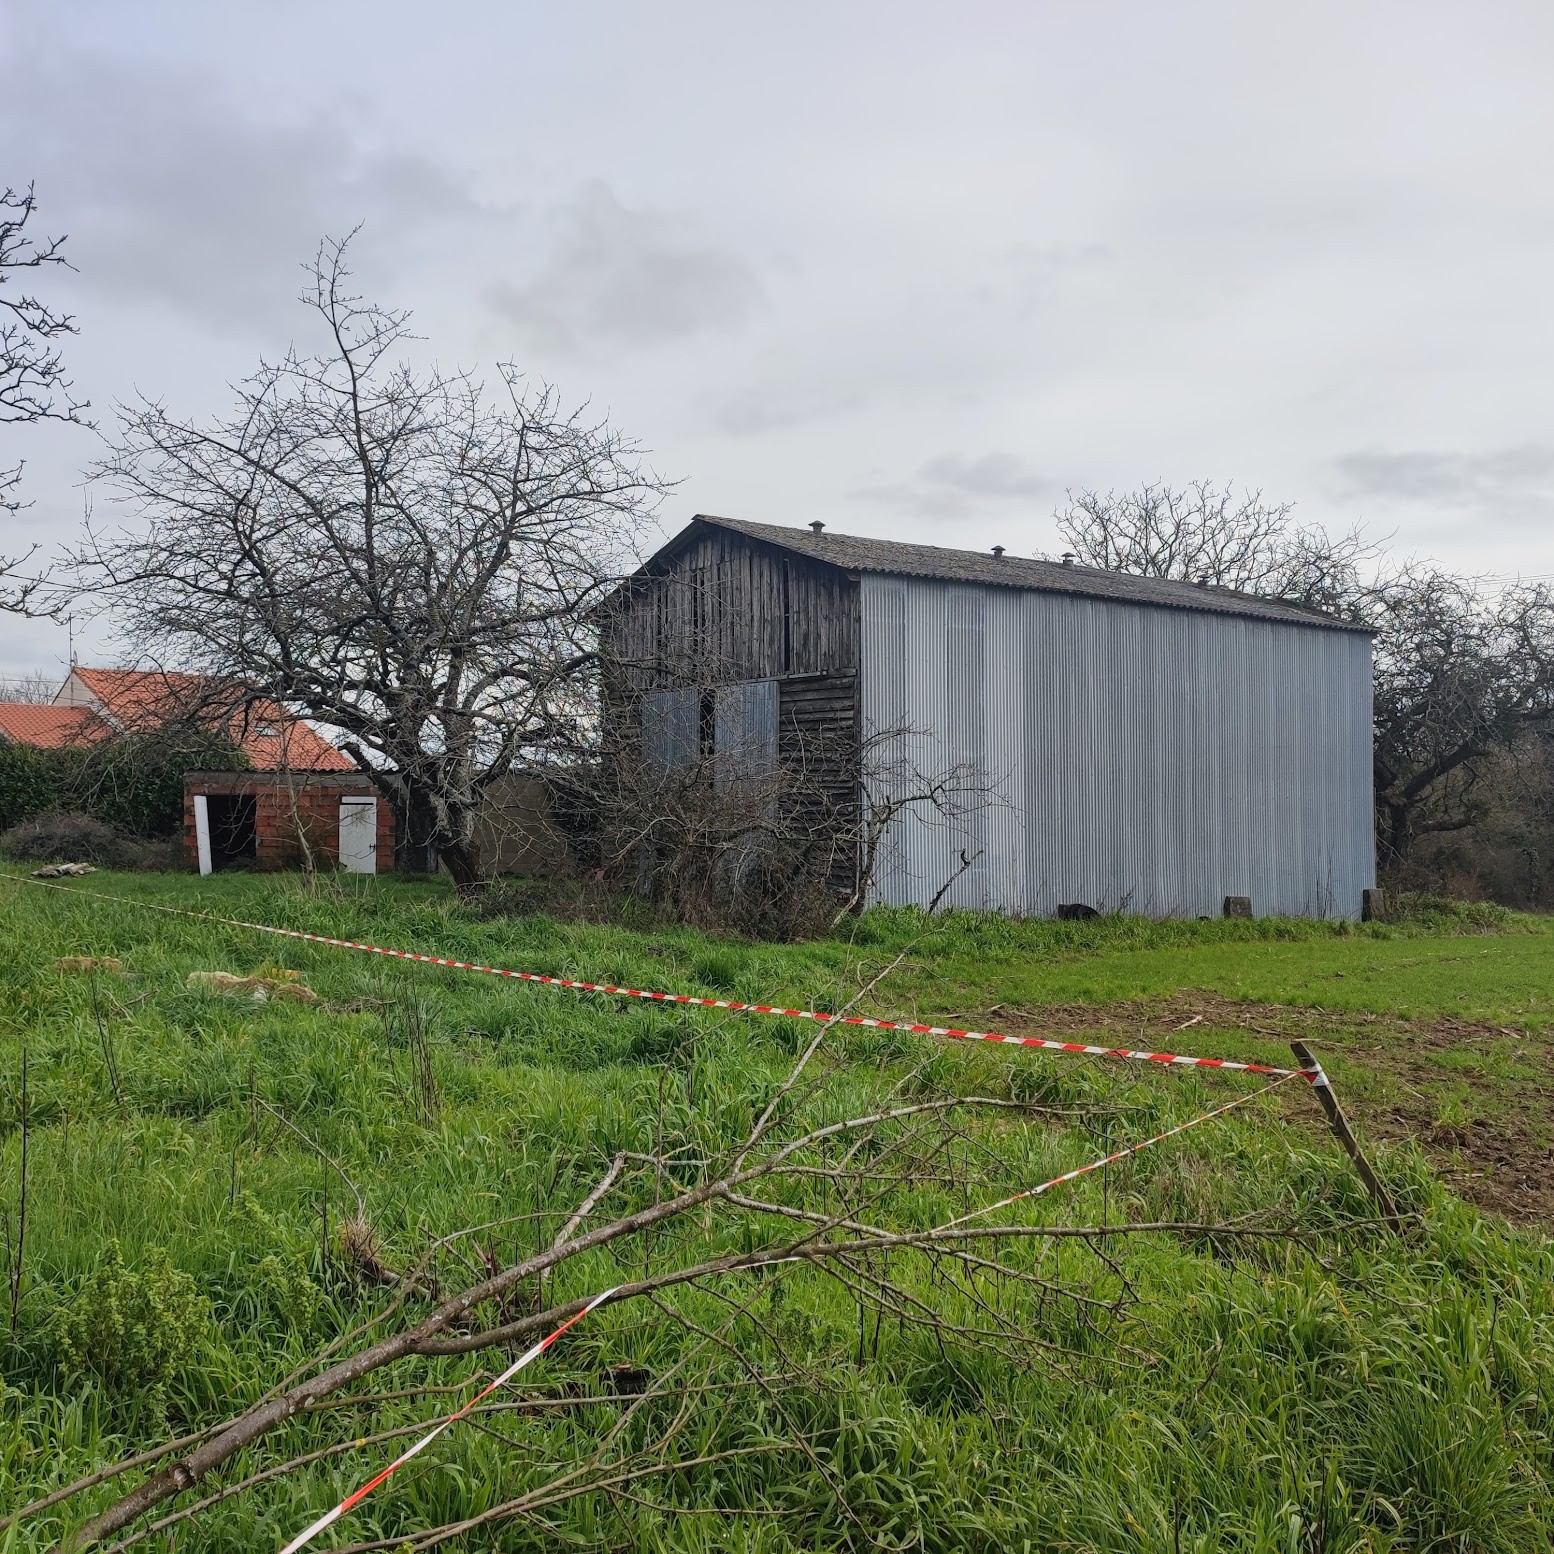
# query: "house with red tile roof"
x,y
50,727
130,699
299,799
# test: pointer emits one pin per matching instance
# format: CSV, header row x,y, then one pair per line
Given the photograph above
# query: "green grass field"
x,y
188,1240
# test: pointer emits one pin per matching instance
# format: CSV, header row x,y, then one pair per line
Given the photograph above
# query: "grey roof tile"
x,y
855,553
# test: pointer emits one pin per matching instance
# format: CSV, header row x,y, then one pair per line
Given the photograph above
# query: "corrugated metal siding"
x,y
671,730
1149,760
745,732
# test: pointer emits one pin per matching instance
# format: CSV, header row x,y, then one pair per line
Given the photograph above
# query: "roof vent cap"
x,y
1069,558
817,526
998,550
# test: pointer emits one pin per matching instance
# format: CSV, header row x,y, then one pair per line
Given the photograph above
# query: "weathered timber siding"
x,y
732,609
729,611
818,741
817,731
1146,759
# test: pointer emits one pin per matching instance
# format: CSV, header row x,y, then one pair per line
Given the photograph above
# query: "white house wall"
x,y
1149,759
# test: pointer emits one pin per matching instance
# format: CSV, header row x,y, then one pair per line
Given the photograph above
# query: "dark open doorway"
x,y
234,829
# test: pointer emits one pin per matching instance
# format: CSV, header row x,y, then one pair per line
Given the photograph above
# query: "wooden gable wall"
x,y
732,609
728,611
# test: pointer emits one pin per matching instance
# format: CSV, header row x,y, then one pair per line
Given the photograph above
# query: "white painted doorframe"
x,y
202,831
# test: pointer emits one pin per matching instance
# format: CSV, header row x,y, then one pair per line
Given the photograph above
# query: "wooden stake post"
x,y
1343,1132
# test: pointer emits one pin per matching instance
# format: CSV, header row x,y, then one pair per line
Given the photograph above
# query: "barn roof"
x,y
854,553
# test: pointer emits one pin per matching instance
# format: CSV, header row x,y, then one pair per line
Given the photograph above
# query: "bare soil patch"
x,y
1478,1098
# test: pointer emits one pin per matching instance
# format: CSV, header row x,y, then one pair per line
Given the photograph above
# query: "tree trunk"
x,y
416,849
435,836
1398,831
462,861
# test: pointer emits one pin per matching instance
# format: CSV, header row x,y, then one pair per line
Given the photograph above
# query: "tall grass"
x,y
1375,1392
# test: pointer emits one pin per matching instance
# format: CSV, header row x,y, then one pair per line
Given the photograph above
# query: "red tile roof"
x,y
272,738
28,723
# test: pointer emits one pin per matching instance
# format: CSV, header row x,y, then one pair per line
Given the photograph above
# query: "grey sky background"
x,y
911,269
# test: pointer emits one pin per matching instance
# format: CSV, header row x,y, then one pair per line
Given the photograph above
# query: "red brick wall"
x,y
288,809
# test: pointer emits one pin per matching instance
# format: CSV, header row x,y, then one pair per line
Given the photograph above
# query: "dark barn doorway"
x,y
234,829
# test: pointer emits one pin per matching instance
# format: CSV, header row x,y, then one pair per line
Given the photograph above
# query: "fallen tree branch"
x,y
422,1340
842,1243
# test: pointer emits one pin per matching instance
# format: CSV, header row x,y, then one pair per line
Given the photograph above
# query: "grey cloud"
x,y
961,340
1030,276
1514,482
956,485
775,407
620,277
990,474
172,196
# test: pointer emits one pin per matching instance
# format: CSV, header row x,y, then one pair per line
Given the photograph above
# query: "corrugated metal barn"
x,y
1152,747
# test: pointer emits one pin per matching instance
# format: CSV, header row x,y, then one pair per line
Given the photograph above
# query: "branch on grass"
x,y
916,1137
247,1429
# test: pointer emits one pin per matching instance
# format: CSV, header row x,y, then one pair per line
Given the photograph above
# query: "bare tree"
x,y
1461,676
37,686
775,834
400,555
1206,533
33,385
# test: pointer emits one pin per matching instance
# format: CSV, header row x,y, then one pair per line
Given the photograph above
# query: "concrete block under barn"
x,y
1156,747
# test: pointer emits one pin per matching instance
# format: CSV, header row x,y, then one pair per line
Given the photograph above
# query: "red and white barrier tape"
x,y
1132,1149
953,1033
333,1515
355,1498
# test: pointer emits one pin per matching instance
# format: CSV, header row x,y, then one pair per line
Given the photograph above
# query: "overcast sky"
x,y
912,269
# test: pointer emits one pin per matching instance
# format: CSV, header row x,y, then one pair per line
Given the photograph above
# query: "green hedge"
x,y
134,781
29,782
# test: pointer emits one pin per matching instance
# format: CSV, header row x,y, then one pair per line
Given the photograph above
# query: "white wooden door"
x,y
359,835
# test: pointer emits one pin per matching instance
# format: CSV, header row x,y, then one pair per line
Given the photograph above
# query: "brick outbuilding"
x,y
273,820
299,797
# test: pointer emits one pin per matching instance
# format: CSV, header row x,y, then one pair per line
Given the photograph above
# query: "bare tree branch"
x,y
33,385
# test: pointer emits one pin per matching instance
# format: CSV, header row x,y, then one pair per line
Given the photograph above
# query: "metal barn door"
x,y
359,835
670,730
745,734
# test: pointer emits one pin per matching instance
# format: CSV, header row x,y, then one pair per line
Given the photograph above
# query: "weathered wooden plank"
x,y
732,609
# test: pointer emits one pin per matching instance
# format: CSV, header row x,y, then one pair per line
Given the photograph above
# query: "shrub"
x,y
29,781
1444,914
132,781
136,781
131,1329
67,836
